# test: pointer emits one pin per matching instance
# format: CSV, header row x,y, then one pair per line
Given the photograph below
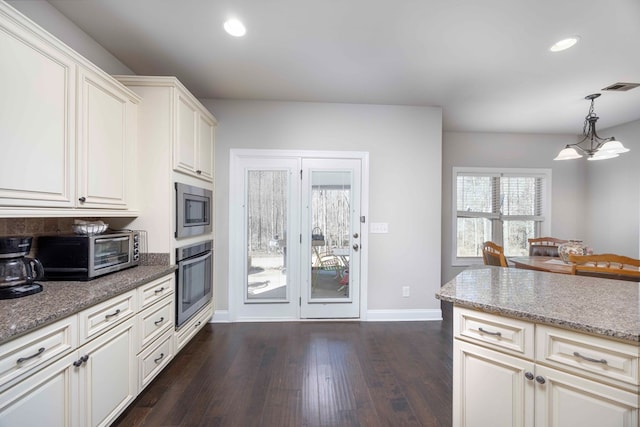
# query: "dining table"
x,y
541,263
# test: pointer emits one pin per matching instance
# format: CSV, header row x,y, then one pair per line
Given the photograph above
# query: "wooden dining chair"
x,y
545,246
606,266
493,254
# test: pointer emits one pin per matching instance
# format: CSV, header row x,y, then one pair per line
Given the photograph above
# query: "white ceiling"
x,y
485,62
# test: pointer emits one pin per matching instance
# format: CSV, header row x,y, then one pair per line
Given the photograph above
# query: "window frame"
x,y
542,227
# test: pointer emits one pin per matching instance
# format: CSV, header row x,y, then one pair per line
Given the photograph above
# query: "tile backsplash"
x,y
34,226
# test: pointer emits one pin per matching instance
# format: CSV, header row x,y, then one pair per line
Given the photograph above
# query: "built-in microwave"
x,y
82,257
193,210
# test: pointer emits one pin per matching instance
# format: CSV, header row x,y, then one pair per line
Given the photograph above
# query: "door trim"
x,y
236,225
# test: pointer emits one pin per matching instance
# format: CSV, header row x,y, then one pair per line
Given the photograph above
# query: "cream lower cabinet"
x,y
499,384
47,398
90,386
107,376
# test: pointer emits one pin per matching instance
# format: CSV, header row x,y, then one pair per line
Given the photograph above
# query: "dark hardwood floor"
x,y
305,374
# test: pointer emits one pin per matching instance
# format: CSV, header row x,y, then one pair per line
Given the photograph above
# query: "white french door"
x,y
331,238
295,246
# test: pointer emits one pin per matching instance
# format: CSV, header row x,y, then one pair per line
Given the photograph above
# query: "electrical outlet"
x,y
405,291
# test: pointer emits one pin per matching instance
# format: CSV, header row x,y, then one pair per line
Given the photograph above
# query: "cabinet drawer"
x,y
155,320
154,358
189,329
156,290
511,335
99,318
588,355
37,349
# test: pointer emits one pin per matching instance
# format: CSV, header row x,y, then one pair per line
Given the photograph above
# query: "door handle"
x,y
356,247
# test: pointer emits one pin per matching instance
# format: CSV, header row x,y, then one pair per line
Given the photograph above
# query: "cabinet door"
x,y
37,123
206,141
47,398
490,388
105,140
568,400
108,378
185,151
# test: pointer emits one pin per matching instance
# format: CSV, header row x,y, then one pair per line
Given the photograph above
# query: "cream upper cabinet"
x,y
37,119
173,119
106,142
68,130
193,147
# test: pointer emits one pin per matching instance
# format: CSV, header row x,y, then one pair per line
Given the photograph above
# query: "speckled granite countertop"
x,y
61,299
610,308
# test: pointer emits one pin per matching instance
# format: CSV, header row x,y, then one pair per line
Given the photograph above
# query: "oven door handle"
x,y
115,239
198,258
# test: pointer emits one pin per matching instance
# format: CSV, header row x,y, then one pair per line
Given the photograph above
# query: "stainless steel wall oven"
x,y
194,279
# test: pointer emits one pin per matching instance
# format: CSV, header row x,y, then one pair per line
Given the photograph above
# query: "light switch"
x,y
379,227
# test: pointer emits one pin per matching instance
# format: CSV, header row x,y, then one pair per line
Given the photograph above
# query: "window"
x,y
506,206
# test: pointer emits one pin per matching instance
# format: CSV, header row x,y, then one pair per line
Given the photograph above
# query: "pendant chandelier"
x,y
592,145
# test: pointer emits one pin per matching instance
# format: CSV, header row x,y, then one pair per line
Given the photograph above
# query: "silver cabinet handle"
x,y
38,353
197,324
528,375
540,380
484,331
159,321
159,358
589,359
356,247
109,316
158,291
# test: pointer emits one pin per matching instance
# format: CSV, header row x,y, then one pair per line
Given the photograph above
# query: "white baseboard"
x,y
403,315
222,316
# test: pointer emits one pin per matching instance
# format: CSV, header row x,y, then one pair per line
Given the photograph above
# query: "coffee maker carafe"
x,y
18,272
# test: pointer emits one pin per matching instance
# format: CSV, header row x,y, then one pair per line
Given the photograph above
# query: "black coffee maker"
x,y
18,272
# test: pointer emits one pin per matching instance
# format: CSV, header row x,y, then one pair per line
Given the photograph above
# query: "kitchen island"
x,y
542,349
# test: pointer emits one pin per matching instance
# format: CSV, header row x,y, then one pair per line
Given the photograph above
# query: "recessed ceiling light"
x,y
235,28
564,44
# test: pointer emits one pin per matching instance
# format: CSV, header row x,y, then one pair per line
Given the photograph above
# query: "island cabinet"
x,y
510,372
68,129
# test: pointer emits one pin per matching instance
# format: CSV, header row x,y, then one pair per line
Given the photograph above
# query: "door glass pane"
x,y
267,207
330,221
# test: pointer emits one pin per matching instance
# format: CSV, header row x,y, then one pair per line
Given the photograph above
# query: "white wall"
x,y
514,151
613,197
48,17
404,144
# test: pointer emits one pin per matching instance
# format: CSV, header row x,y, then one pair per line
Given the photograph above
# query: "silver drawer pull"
x,y
589,359
38,353
159,358
497,334
109,316
197,324
159,321
159,291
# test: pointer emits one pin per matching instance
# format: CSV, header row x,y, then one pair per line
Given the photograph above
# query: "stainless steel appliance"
x,y
85,257
17,271
193,210
194,279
